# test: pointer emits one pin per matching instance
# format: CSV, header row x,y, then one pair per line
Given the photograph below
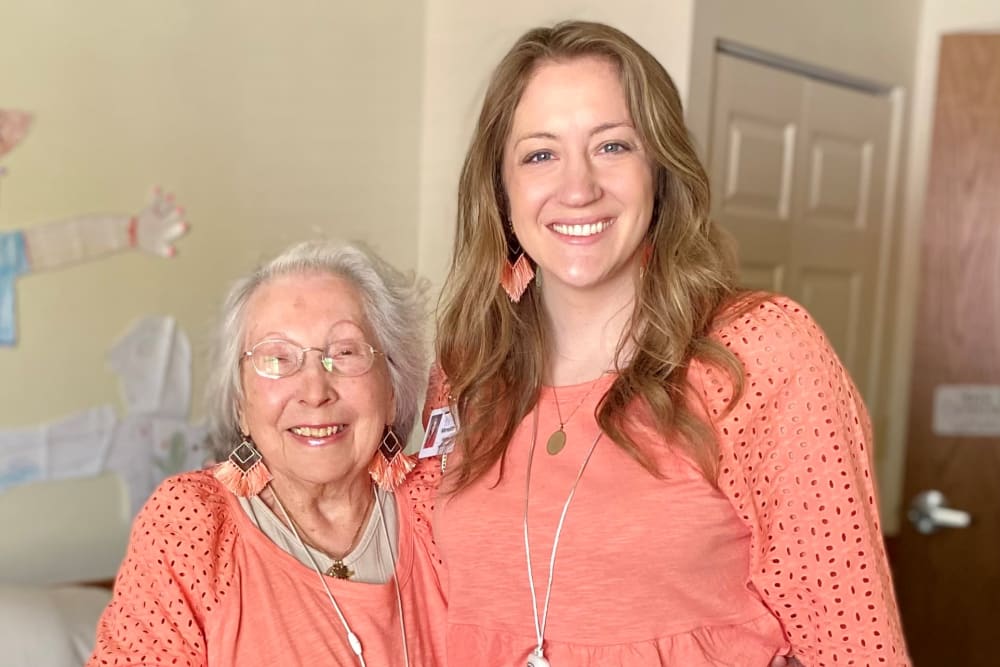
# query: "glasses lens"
x,y
349,357
275,358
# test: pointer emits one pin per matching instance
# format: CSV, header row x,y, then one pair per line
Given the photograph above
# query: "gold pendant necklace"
x,y
339,570
557,440
352,639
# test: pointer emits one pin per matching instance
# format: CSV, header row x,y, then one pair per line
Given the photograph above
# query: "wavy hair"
x,y
394,304
491,350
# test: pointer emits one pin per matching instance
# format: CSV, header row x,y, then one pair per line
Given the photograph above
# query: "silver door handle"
x,y
929,512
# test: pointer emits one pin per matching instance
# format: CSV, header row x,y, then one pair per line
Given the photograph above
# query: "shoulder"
x,y
187,493
762,321
187,508
774,338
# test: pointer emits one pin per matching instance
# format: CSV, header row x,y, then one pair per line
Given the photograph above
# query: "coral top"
x,y
784,556
201,585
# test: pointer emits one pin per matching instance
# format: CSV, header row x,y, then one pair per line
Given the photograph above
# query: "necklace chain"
x,y
540,625
352,639
557,440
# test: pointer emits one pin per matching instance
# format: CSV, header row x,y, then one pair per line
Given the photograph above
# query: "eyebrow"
x,y
603,127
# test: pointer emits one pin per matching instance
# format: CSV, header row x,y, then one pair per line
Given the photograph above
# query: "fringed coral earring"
x,y
516,272
390,465
243,473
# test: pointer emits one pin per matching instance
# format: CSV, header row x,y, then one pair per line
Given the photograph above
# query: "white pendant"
x,y
536,659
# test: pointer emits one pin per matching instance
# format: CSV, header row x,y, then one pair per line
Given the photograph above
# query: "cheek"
x,y
263,404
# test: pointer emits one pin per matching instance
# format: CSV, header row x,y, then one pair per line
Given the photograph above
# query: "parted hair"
x,y
492,350
394,305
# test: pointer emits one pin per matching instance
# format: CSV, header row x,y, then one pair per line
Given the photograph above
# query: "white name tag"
x,y
439,438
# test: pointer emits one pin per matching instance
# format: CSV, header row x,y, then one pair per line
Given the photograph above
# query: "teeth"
x,y
310,432
583,230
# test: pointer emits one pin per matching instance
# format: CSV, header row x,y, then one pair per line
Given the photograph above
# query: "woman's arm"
x,y
795,461
152,230
168,584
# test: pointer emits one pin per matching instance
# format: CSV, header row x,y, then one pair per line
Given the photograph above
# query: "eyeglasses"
x,y
277,358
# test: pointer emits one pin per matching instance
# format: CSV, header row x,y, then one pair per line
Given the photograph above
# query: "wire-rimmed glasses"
x,y
278,358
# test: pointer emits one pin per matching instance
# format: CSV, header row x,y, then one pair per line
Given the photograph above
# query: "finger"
x,y
779,661
174,231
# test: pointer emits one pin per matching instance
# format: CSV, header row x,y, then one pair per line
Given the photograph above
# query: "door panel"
x,y
752,165
948,582
836,241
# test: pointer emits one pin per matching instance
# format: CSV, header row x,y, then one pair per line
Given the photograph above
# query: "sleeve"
x,y
175,574
795,463
13,263
421,489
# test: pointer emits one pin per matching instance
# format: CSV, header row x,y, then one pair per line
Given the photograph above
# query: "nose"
x,y
317,387
579,185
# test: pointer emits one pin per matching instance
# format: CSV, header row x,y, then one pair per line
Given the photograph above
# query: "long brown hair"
x,y
491,350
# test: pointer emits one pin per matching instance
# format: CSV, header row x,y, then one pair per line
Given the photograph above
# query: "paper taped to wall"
x,y
153,440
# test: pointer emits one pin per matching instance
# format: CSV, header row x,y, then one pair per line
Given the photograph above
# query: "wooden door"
x,y
948,583
799,170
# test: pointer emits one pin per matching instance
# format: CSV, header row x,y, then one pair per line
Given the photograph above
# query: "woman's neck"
x,y
585,328
328,515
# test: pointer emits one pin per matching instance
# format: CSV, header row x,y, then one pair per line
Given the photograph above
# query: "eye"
x,y
345,348
538,156
614,147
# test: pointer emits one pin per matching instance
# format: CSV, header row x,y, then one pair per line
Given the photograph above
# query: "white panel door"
x,y
799,170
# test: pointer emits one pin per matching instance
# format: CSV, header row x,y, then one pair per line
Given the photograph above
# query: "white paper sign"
x,y
971,410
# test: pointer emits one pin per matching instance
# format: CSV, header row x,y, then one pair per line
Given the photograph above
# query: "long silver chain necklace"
x,y
537,657
352,639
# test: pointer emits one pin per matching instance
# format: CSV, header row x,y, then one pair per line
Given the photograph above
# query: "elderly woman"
x,y
309,544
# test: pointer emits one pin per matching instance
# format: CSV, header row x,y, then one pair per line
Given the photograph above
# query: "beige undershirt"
x,y
371,560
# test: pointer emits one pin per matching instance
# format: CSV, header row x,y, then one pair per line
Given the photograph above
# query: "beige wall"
x,y
272,121
464,41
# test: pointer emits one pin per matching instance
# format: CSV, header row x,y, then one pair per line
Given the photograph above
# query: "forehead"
x,y
587,88
306,305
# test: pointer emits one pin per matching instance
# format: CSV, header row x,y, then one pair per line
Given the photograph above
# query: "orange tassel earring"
x,y
390,465
243,473
516,274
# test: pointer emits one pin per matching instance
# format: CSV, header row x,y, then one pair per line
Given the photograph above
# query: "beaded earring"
x,y
243,473
390,466
516,272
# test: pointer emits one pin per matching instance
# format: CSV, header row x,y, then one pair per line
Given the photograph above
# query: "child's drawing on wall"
x,y
55,244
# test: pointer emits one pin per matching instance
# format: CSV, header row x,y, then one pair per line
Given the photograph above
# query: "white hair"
x,y
394,304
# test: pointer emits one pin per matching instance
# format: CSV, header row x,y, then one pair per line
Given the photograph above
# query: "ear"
x,y
241,421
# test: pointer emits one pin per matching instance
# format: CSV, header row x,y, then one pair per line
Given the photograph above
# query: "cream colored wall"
x,y
938,18
273,122
464,41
